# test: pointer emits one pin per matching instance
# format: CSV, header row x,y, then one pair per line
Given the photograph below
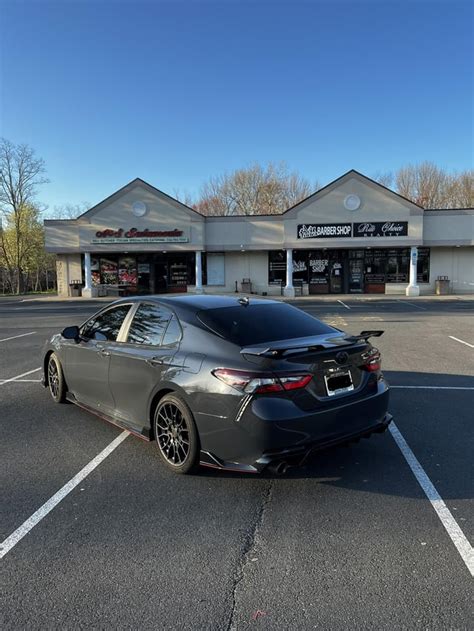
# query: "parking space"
x,y
350,540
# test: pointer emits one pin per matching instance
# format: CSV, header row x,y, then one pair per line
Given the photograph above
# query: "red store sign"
x,y
139,236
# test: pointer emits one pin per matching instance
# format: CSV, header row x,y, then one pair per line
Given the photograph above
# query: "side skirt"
x,y
144,434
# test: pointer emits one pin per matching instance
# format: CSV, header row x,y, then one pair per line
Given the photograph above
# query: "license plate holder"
x,y
338,382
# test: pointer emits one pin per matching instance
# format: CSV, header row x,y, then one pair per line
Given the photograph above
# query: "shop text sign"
x,y
347,230
324,230
381,229
139,236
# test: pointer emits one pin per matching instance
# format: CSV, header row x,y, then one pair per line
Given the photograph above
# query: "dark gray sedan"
x,y
231,383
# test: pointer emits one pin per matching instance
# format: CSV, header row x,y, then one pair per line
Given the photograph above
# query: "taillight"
x,y
372,360
295,382
258,383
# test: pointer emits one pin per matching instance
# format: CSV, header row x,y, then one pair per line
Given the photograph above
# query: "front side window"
x,y
107,323
149,325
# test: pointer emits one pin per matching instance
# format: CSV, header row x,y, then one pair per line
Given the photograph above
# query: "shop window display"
x,y
277,267
127,271
423,267
95,271
108,271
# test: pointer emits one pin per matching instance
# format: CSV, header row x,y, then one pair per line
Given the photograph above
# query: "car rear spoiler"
x,y
279,351
364,335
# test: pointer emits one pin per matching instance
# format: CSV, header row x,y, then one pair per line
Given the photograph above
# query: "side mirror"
x,y
71,333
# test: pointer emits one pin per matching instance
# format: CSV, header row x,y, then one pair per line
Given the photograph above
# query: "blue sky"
x,y
175,92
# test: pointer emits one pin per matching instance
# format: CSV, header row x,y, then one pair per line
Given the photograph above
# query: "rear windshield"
x,y
258,324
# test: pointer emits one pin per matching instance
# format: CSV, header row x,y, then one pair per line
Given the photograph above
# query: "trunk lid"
x,y
336,361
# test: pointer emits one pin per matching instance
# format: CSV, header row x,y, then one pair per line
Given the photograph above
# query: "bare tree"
x,y
461,190
432,187
426,184
184,197
384,177
69,211
256,190
21,172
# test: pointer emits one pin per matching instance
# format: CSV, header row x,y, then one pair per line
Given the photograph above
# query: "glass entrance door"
x,y
356,272
336,277
161,278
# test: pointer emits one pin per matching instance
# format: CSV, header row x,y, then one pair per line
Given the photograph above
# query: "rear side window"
x,y
108,323
149,325
260,323
172,333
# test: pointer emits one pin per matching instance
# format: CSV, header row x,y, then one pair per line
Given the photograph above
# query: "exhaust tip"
x,y
279,468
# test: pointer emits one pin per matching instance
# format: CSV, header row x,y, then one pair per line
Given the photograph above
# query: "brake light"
x,y
295,382
258,383
373,361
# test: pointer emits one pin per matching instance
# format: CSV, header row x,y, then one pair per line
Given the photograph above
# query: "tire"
x,y
56,383
176,435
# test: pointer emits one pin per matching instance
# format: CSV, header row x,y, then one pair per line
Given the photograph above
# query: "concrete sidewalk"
x,y
317,297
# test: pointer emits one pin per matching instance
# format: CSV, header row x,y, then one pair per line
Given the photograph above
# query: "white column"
x,y
413,289
88,291
87,271
198,289
289,289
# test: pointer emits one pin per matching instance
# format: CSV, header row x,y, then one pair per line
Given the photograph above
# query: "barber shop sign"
x,y
347,230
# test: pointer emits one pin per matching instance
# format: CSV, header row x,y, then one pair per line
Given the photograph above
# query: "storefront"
x,y
354,271
353,236
143,273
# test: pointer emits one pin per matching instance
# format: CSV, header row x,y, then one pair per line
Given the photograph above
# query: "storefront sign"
x,y
299,266
346,230
324,230
375,278
318,265
139,236
381,229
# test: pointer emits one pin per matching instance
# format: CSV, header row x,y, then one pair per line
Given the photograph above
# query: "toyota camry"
x,y
226,382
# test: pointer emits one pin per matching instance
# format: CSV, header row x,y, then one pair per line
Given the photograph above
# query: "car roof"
x,y
197,302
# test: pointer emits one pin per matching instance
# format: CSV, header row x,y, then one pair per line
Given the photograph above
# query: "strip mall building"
x,y
352,236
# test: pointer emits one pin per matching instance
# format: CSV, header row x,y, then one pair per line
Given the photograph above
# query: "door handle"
x,y
155,361
104,352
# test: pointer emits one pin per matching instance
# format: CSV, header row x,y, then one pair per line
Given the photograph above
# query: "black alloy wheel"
x,y
56,384
175,434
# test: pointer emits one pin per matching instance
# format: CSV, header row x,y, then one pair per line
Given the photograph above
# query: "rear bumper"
x,y
296,456
275,429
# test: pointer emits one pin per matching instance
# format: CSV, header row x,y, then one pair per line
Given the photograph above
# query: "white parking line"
x,y
344,304
452,528
48,506
19,376
6,339
22,381
412,304
435,387
461,341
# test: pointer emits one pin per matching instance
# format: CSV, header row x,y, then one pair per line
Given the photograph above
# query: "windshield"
x,y
256,324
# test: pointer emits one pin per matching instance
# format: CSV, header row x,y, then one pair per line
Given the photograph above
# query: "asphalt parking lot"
x,y
352,540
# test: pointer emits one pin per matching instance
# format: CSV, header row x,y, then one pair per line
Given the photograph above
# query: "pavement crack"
x,y
247,552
